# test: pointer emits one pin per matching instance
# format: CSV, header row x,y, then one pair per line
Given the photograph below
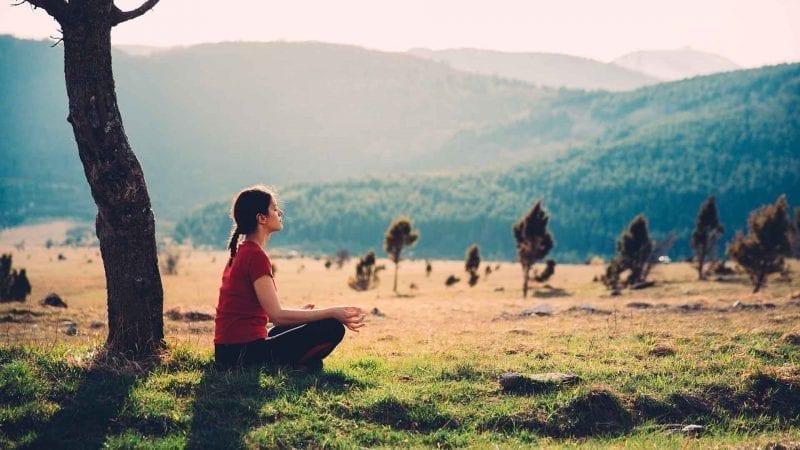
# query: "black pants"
x,y
295,345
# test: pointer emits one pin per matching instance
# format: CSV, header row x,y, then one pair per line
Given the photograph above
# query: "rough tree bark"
x,y
125,223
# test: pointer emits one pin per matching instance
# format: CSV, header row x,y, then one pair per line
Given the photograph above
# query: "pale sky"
x,y
751,33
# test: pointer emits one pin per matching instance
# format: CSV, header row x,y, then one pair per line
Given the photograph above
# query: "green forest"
x,y
732,135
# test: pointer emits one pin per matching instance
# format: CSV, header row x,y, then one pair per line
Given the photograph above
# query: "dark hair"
x,y
246,206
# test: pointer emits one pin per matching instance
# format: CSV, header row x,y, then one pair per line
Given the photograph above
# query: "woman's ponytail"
x,y
233,244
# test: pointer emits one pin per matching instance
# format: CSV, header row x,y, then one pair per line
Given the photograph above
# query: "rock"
x,y
499,289
689,307
639,305
514,382
555,377
693,430
541,309
53,299
72,329
742,305
97,324
377,312
177,313
587,308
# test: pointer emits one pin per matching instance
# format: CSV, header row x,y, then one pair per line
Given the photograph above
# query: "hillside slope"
x,y
733,135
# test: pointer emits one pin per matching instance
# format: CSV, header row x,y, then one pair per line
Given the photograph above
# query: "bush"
x,y
761,252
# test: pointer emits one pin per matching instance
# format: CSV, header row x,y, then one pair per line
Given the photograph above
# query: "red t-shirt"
x,y
240,317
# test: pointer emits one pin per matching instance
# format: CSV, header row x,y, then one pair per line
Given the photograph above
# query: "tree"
x,y
634,248
762,250
125,224
796,234
342,256
534,241
366,273
14,284
399,235
707,231
473,260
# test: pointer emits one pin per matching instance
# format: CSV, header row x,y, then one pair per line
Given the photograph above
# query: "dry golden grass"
x,y
426,319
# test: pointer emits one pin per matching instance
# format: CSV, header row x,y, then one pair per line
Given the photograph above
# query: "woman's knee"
x,y
332,329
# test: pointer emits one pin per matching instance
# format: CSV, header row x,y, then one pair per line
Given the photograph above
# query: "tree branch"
x,y
56,8
118,16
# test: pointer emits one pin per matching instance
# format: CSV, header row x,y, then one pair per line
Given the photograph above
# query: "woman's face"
x,y
274,217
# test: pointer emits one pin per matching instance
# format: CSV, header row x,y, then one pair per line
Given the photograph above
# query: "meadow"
x,y
425,370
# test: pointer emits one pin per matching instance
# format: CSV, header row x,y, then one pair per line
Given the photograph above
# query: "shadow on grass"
x,y
85,419
228,404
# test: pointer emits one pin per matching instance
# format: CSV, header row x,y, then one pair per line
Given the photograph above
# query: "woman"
x,y
248,300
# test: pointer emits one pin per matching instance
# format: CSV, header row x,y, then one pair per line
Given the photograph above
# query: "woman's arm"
x,y
350,316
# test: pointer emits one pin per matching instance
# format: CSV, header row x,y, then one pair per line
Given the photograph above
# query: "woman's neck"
x,y
258,237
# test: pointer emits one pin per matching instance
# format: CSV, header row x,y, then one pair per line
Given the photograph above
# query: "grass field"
x,y
423,372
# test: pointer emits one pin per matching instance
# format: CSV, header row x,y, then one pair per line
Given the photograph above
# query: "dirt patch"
x,y
517,383
404,415
661,350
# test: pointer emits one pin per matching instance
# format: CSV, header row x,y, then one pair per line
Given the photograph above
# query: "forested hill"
x,y
735,135
206,119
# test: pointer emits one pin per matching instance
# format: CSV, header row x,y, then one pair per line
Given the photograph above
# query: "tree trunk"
x,y
125,223
396,266
759,281
700,260
526,274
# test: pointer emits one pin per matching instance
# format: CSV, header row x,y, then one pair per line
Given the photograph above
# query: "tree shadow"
x,y
227,404
85,419
551,292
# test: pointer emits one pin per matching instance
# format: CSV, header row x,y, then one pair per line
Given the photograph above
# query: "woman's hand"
x,y
350,316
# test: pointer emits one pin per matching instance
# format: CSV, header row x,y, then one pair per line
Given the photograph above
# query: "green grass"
x,y
746,392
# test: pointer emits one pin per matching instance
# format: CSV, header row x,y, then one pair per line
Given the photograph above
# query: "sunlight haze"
x,y
750,33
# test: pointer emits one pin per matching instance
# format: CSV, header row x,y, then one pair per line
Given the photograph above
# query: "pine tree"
x,y
400,234
533,239
706,233
473,261
366,275
14,284
633,251
796,234
761,252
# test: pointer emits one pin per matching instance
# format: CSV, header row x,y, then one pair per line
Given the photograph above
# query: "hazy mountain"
x,y
140,50
734,135
209,119
675,64
543,69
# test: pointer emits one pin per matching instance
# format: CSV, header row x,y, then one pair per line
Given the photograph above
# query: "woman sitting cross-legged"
x,y
248,300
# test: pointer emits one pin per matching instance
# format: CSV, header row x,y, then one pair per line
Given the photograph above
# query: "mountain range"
x,y
375,133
